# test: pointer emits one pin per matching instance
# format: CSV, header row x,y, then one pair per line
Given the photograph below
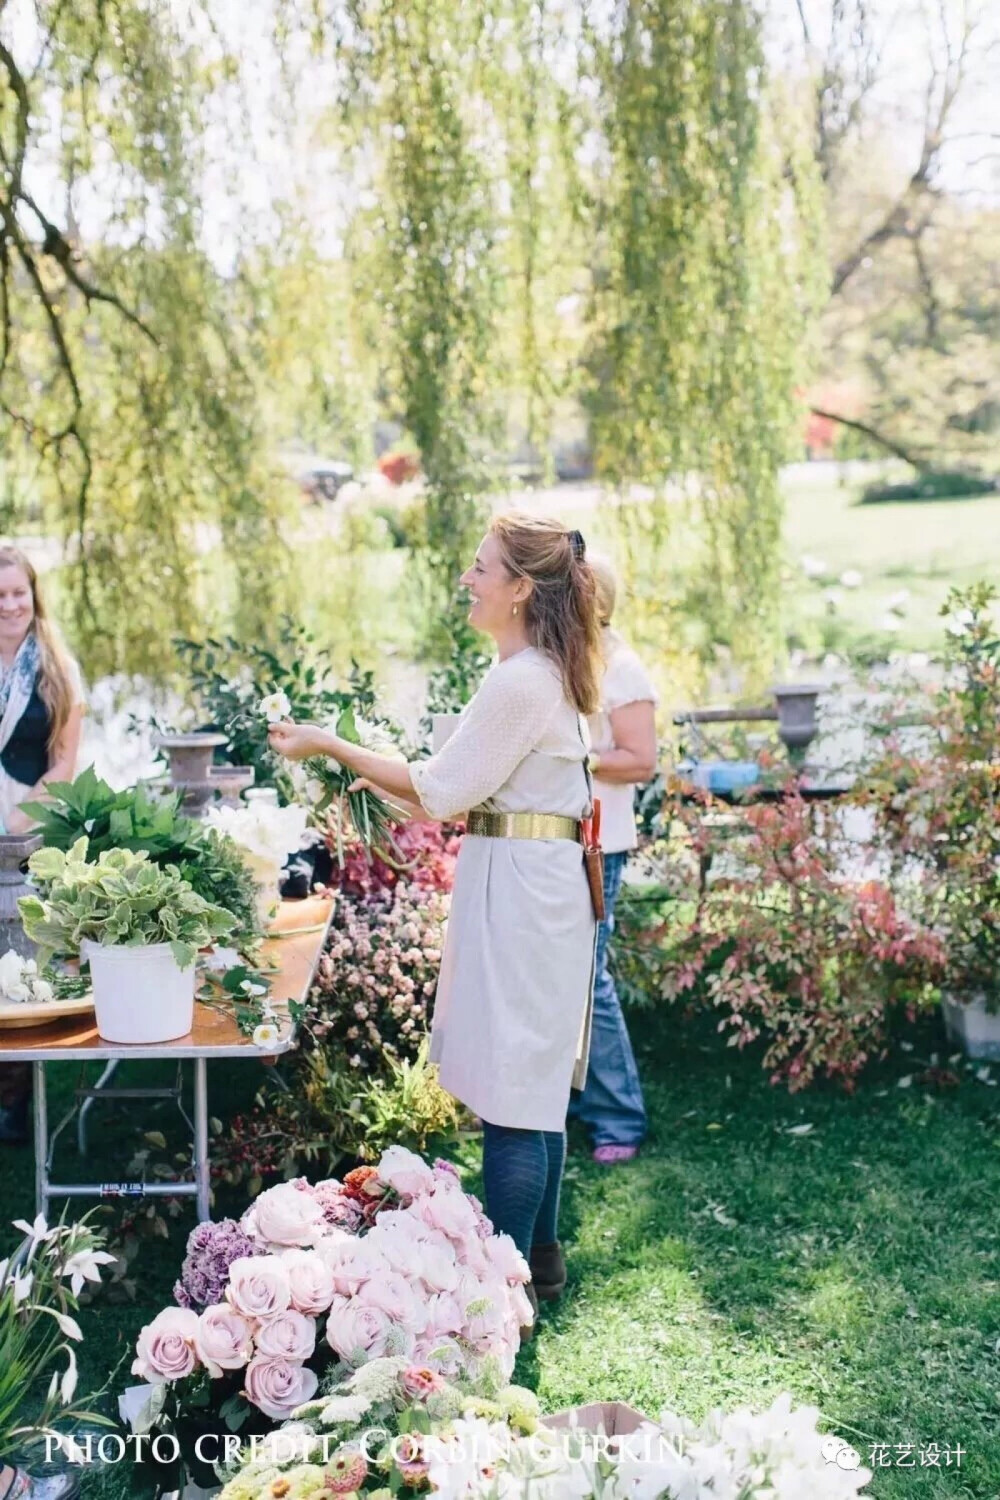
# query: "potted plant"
x,y
937,817
265,835
137,924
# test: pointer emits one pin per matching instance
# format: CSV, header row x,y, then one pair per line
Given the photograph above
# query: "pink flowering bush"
x,y
791,952
427,856
395,1260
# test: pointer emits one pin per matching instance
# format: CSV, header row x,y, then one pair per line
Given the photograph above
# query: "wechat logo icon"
x,y
836,1451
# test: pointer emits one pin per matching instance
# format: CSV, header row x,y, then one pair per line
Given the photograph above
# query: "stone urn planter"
x,y
970,1025
195,777
15,848
797,724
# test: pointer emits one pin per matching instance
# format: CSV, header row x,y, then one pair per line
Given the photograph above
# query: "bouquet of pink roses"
x,y
396,1260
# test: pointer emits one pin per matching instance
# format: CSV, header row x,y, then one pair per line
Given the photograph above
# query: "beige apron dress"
x,y
511,1029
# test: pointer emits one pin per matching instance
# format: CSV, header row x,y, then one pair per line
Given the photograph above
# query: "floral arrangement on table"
x,y
394,1260
265,835
37,1326
394,1427
120,899
143,819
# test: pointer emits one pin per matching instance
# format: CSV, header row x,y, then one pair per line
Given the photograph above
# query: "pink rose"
x,y
285,1215
407,1173
309,1279
352,1329
447,1209
223,1340
277,1386
259,1286
289,1335
165,1348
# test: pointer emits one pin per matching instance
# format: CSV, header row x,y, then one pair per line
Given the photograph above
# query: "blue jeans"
x,y
611,1104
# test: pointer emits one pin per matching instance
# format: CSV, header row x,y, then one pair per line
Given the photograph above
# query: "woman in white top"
x,y
623,733
509,1030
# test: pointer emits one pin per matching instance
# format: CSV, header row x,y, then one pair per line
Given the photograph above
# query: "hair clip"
x,y
578,544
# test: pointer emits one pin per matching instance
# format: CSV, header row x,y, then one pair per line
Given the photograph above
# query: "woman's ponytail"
x,y
561,611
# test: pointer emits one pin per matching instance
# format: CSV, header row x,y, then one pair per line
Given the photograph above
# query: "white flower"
x,y
265,1035
376,737
83,1265
67,1385
898,601
220,959
813,567
275,707
43,991
960,622
851,579
891,623
11,970
38,1231
834,599
267,832
23,1283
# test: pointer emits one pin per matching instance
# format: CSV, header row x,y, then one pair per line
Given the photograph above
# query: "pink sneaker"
x,y
609,1156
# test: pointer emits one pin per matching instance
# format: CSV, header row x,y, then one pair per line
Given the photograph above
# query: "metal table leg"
x,y
41,1119
201,1172
109,1071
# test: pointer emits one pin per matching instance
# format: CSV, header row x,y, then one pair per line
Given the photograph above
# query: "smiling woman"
x,y
41,712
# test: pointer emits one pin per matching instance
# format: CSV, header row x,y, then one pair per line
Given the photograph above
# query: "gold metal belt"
x,y
524,825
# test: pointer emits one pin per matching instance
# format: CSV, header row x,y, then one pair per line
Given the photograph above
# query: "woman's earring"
x,y
515,609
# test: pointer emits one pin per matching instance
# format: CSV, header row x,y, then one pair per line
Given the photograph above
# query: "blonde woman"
x,y
623,734
41,715
509,1029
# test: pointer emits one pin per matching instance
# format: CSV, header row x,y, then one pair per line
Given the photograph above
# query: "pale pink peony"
x,y
310,1280
165,1348
442,1314
524,1313
277,1386
285,1215
440,1353
352,1264
288,1335
223,1339
352,1328
506,1259
405,1172
392,1294
449,1210
259,1286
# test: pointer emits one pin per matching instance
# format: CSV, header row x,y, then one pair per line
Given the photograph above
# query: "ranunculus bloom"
x,y
165,1348
352,1328
310,1280
406,1172
290,1335
259,1286
277,1386
286,1215
419,1381
223,1339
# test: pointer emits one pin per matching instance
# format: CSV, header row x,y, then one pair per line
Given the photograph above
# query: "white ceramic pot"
x,y
971,1025
140,994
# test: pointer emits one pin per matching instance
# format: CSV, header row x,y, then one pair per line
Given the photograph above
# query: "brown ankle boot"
x,y
527,1332
548,1271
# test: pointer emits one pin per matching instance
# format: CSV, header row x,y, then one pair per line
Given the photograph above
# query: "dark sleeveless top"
x,y
26,754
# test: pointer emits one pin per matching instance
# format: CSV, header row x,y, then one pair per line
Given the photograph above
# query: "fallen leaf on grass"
x,y
798,1129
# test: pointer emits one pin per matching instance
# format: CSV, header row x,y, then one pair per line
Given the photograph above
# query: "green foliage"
x,y
144,820
136,818
933,485
228,678
121,900
364,1115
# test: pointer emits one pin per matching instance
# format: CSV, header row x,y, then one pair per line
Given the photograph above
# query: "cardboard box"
x,y
611,1417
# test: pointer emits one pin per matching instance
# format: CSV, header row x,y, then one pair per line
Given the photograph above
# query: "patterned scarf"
x,y
17,683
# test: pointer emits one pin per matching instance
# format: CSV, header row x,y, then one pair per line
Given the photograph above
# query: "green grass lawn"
x,y
856,1265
